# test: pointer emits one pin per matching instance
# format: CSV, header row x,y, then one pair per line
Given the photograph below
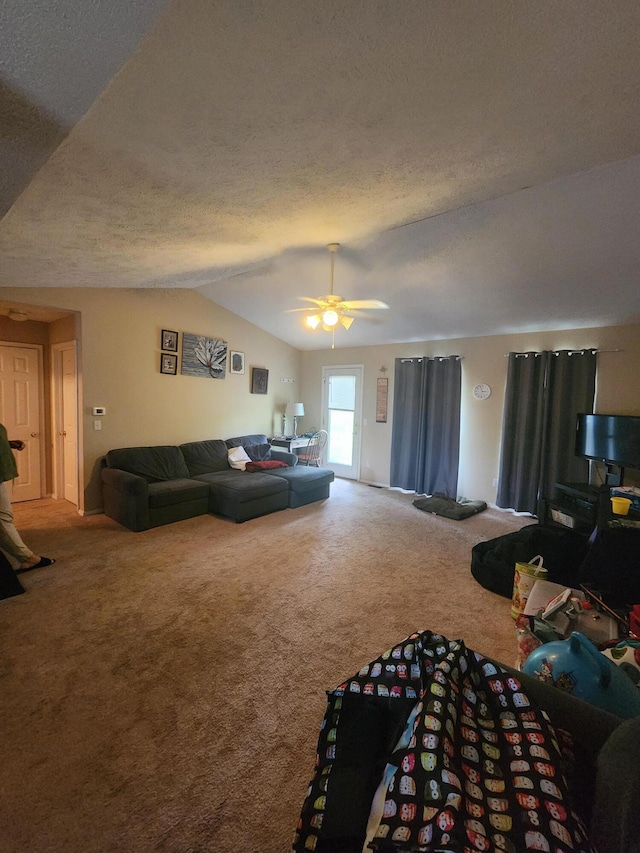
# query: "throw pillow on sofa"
x,y
259,452
266,465
238,458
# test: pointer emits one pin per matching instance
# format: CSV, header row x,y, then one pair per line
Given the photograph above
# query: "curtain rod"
x,y
558,351
429,358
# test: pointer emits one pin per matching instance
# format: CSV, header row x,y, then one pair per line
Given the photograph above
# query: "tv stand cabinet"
x,y
612,561
576,506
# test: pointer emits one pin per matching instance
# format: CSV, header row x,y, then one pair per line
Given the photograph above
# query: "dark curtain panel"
x,y
425,444
522,431
571,388
408,406
545,391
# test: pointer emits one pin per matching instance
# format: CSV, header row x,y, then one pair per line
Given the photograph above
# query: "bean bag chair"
x,y
563,552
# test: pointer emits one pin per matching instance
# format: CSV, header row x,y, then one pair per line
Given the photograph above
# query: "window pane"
x,y
342,392
340,438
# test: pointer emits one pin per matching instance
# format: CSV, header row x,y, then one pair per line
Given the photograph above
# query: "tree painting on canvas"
x,y
203,356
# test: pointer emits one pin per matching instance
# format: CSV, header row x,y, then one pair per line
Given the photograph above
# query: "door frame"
x,y
57,412
357,424
41,403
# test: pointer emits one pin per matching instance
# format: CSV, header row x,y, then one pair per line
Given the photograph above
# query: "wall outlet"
x,y
367,464
495,481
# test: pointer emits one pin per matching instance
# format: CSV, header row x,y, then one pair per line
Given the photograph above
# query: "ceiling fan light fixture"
x,y
330,311
330,317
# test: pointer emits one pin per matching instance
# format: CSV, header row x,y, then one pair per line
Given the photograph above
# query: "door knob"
x,y
34,435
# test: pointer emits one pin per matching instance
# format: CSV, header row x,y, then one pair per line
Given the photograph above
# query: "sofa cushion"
x,y
245,487
154,464
238,458
173,492
258,452
265,465
203,457
246,440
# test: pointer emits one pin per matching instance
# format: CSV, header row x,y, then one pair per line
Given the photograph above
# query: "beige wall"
x,y
118,333
119,363
484,360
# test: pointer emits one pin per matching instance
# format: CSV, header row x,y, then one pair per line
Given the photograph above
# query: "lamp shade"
x,y
295,409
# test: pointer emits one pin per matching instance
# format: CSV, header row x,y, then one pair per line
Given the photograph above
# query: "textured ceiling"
x,y
477,161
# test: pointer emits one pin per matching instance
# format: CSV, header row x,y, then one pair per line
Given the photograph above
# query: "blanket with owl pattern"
x,y
432,747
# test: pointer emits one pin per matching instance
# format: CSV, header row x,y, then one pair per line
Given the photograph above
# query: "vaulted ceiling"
x,y
479,163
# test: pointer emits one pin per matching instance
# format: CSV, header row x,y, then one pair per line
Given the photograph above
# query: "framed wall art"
x,y
236,362
168,363
259,380
169,340
203,356
382,396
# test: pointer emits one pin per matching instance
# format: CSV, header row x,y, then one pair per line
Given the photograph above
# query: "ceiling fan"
x,y
332,310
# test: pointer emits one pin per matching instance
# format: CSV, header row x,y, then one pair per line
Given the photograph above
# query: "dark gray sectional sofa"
x,y
145,487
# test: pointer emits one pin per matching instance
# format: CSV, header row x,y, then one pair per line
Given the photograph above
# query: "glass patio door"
x,y
342,418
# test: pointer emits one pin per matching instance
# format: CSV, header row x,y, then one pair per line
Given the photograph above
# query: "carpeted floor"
x,y
162,691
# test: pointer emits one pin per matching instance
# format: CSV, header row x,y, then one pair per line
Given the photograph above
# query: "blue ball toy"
x,y
576,666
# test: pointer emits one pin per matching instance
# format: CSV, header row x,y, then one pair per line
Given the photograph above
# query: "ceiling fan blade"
x,y
363,315
364,303
319,302
294,310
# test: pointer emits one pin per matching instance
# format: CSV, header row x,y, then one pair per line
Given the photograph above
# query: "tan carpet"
x,y
164,690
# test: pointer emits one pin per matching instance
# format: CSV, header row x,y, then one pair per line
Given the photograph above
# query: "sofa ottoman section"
x,y
306,485
242,495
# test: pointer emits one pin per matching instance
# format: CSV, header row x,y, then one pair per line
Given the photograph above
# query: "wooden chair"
x,y
310,455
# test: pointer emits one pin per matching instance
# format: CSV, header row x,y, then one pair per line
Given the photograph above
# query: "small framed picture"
x,y
169,340
259,380
168,363
236,364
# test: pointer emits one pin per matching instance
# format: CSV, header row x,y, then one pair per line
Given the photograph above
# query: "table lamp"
x,y
295,410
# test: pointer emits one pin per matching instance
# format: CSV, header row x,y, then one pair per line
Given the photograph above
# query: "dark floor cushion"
x,y
442,505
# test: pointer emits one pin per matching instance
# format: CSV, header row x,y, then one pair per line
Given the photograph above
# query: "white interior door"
x,y
65,408
70,425
342,418
20,378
